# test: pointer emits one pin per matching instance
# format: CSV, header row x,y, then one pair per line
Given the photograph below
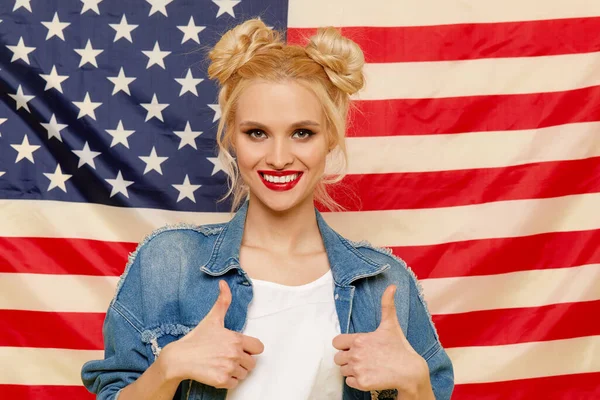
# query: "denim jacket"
x,y
171,282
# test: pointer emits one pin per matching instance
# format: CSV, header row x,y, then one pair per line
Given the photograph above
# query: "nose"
x,y
280,153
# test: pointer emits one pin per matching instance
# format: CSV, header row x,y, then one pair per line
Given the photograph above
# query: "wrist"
x,y
168,367
419,387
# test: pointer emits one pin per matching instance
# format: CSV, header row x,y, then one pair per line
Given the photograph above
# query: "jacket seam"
x,y
115,306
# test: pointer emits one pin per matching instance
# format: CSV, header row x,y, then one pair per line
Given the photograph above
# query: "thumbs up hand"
x,y
211,353
383,359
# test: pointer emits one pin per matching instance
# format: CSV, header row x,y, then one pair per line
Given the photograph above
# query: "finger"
x,y
347,370
240,373
252,345
341,357
344,341
247,361
389,317
219,309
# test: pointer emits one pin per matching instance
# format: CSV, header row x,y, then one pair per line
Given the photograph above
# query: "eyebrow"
x,y
306,122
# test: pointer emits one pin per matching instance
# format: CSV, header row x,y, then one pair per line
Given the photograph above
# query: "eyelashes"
x,y
259,133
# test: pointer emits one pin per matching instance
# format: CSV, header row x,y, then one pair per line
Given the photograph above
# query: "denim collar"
x,y
346,261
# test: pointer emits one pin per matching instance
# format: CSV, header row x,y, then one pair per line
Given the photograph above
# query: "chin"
x,y
279,202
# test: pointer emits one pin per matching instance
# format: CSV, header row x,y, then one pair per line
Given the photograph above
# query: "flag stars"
x,y
190,31
217,165
123,29
25,150
26,4
119,135
217,110
57,179
159,6
86,156
226,6
154,109
55,27
187,136
53,80
53,128
153,162
91,5
88,54
87,107
121,82
188,84
119,185
186,190
156,56
2,120
20,51
21,99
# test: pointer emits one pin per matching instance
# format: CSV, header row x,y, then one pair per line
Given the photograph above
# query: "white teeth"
x,y
280,179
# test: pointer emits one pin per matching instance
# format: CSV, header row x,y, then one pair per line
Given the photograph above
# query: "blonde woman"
x,y
273,304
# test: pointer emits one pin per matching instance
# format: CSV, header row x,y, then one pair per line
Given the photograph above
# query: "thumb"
x,y
389,317
219,309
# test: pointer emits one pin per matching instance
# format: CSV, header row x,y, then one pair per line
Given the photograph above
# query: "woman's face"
x,y
280,129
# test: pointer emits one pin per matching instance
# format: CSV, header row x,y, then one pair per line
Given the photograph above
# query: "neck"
x,y
294,231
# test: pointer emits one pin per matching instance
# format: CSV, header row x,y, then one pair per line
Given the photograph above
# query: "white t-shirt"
x,y
296,325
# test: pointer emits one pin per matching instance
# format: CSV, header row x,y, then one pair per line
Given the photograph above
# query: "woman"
x,y
274,303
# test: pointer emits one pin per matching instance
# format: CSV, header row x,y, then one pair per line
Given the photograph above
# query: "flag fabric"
x,y
475,154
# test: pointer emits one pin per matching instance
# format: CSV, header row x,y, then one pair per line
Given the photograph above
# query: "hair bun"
x,y
239,45
342,59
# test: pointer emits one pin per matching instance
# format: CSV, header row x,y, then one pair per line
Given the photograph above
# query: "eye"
x,y
304,133
254,133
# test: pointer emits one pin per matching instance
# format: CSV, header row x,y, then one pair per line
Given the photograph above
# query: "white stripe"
x,y
488,76
525,360
512,218
65,293
43,366
532,288
424,153
315,13
56,293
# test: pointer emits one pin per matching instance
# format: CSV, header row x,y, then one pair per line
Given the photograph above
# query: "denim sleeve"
x,y
125,354
424,338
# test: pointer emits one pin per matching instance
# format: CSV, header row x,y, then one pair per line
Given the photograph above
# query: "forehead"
x,y
278,102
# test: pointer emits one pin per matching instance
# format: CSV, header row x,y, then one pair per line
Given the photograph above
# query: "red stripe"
x,y
470,186
518,325
562,387
64,330
63,256
503,255
393,117
469,41
26,392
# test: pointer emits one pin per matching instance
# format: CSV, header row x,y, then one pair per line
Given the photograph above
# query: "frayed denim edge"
x,y
388,252
151,336
206,230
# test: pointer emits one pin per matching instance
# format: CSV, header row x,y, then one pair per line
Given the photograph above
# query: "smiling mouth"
x,y
280,183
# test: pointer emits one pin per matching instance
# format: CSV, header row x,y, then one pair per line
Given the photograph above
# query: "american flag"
x,y
475,155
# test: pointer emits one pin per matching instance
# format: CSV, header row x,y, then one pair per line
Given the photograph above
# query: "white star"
x,y
156,56
54,80
21,99
217,165
86,156
25,150
190,31
154,109
121,82
90,5
226,6
20,51
88,54
186,190
119,185
2,120
217,110
159,5
87,107
53,128
57,179
187,136
153,162
55,27
2,173
119,135
22,3
123,29
188,84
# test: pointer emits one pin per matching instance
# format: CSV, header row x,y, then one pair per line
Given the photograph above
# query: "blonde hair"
x,y
330,65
